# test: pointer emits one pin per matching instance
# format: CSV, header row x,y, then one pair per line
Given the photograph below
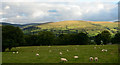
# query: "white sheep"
x,y
37,54
17,52
75,57
96,58
13,52
94,47
105,50
64,59
67,50
60,53
91,58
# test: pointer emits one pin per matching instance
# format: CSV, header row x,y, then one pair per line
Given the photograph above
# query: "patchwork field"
x,y
51,54
93,28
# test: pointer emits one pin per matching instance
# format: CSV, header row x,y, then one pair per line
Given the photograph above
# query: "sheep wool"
x,y
91,58
13,52
60,53
17,52
64,59
37,54
96,58
75,57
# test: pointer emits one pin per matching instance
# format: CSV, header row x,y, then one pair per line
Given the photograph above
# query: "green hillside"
x,y
92,28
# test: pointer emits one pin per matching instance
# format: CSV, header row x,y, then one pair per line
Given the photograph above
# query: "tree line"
x,y
14,37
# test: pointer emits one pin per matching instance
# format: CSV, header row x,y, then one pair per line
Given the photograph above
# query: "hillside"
x,y
92,28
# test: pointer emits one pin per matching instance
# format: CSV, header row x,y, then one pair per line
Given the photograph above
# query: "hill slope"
x,y
92,28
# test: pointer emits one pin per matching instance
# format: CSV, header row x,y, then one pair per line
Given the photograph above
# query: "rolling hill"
x,y
65,27
90,27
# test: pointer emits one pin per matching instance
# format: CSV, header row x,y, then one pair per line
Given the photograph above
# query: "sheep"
x,y
60,53
13,52
17,52
94,47
64,59
105,50
91,58
67,50
96,58
75,57
37,54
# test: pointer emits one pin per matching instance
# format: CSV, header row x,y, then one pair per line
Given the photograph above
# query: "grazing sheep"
x,y
91,58
75,57
64,59
60,53
17,52
67,50
105,50
94,47
96,58
37,54
13,52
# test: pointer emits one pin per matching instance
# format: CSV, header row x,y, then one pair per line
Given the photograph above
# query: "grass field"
x,y
28,54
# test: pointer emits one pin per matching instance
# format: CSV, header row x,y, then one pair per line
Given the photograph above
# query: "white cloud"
x,y
7,7
32,12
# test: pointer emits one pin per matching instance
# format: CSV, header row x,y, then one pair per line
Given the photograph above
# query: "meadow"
x,y
51,54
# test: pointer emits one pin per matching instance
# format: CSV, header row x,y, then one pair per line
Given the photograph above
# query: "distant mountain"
x,y
22,25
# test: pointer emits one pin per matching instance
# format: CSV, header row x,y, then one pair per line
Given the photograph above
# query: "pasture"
x,y
51,54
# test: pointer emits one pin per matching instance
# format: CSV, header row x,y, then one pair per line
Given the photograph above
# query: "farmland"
x,y
93,28
27,54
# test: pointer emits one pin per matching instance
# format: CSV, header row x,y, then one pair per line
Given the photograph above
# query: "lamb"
x,y
91,58
96,58
64,59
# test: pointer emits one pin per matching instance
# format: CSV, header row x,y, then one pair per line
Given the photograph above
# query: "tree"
x,y
82,38
98,39
105,36
12,37
45,38
31,40
116,39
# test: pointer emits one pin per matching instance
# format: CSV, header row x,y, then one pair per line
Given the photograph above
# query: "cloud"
x,y
37,12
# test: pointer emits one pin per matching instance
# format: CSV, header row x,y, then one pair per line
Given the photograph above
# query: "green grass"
x,y
28,54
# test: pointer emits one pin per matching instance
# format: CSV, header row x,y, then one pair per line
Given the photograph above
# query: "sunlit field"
x,y
53,54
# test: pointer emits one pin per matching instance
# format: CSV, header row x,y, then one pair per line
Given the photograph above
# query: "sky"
x,y
41,11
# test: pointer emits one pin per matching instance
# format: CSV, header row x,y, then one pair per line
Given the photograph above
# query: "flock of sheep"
x,y
75,57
